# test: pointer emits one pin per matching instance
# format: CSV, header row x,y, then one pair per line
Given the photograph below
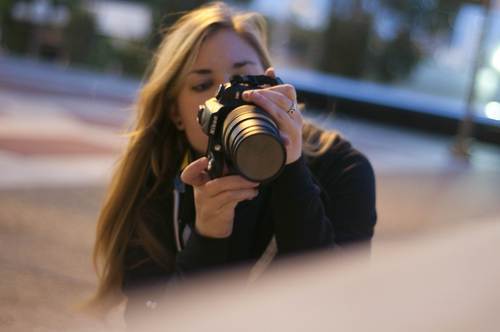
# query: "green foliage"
x,y
134,58
82,44
80,39
346,45
394,60
165,13
352,48
15,35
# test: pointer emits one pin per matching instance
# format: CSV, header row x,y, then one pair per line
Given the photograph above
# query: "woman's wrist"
x,y
209,232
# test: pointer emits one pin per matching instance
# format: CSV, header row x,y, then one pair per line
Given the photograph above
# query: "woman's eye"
x,y
202,86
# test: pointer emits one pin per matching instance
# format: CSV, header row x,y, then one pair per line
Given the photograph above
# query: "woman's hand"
x,y
215,200
280,101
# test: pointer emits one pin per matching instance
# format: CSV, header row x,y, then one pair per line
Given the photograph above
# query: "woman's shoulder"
x,y
341,158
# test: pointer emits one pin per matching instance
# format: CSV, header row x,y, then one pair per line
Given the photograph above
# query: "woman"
x,y
154,228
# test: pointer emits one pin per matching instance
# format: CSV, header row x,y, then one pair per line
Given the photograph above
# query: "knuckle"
x,y
212,184
289,89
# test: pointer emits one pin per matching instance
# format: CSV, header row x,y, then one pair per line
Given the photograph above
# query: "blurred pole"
x,y
461,147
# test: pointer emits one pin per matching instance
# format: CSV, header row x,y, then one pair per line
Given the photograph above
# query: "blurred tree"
x,y
136,56
304,45
346,41
165,13
133,58
15,36
21,33
352,48
428,15
81,42
397,58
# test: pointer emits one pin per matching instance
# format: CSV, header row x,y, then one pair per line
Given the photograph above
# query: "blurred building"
x,y
47,22
75,31
425,47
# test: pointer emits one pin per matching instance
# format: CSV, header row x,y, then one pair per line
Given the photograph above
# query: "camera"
x,y
240,134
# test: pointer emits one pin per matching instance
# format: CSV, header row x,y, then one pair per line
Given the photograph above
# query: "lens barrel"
x,y
252,142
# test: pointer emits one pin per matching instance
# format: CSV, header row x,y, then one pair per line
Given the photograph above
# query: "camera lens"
x,y
252,142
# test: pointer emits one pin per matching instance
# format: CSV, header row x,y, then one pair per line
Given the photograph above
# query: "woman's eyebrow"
x,y
240,64
206,71
201,71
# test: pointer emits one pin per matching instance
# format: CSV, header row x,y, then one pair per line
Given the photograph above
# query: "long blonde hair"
x,y
155,146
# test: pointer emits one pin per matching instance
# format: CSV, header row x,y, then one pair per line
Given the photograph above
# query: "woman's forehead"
x,y
223,49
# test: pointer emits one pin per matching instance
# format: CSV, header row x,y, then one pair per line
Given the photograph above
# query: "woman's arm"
x,y
207,246
346,184
146,280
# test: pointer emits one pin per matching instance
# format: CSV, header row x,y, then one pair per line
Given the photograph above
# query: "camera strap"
x,y
181,229
264,261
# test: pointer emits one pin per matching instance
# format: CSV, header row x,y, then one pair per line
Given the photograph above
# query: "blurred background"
x,y
415,85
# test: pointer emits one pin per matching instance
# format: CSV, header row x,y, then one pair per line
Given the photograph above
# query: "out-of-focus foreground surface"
x,y
448,284
56,154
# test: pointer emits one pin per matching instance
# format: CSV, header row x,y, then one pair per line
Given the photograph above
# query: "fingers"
x,y
229,199
286,89
194,174
215,200
227,183
271,102
270,72
280,99
277,105
215,214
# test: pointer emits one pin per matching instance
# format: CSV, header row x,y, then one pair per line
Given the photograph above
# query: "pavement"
x,y
59,140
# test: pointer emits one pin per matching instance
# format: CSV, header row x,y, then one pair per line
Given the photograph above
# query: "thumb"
x,y
194,174
270,72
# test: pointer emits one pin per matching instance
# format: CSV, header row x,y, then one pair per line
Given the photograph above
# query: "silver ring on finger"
x,y
292,109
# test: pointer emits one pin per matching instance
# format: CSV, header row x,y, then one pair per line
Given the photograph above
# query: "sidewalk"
x,y
47,140
56,155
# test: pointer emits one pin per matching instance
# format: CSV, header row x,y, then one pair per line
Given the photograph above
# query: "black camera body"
x,y
240,134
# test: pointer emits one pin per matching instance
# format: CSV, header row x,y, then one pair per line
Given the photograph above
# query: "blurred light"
x,y
466,29
487,83
123,20
387,24
40,12
495,59
492,110
278,10
309,14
